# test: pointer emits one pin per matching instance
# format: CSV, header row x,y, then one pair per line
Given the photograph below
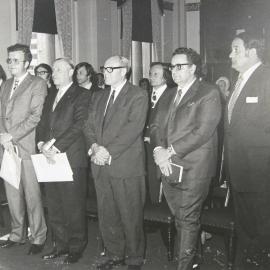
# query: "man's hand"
x,y
161,155
5,137
9,146
49,154
101,156
165,168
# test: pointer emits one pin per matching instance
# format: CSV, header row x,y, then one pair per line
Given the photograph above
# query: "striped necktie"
x,y
234,97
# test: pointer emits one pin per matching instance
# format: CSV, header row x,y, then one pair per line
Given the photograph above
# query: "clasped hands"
x,y
99,155
6,141
162,158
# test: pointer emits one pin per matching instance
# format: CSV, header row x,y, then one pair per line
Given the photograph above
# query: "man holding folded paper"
x,y
184,134
60,131
21,102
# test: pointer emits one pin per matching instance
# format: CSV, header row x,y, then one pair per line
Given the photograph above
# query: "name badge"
x,y
251,99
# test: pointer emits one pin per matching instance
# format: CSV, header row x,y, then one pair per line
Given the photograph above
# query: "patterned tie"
x,y
153,100
175,103
15,85
234,97
109,107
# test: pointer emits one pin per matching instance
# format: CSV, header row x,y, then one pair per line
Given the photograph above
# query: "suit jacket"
x,y
65,124
121,135
21,113
192,132
247,137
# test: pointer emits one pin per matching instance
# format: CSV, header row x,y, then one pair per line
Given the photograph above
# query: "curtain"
x,y
25,20
156,29
63,12
127,28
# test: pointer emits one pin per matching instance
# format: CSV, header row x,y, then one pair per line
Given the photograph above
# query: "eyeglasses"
x,y
43,72
109,69
14,61
178,66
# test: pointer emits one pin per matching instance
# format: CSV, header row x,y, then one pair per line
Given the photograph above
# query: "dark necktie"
x,y
109,107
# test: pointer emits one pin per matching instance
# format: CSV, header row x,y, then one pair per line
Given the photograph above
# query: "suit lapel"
x,y
248,90
116,104
189,94
21,87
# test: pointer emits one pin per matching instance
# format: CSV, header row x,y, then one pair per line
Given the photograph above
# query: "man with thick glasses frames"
x,y
114,135
21,103
184,133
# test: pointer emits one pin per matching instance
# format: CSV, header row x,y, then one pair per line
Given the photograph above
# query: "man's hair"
x,y
45,66
167,75
192,57
253,41
124,62
89,70
2,74
22,48
67,60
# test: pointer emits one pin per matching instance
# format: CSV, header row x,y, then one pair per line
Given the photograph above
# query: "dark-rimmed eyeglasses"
x,y
109,69
43,72
14,61
178,66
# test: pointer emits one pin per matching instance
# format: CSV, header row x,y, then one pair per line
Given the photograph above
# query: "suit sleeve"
x,y
72,132
133,128
89,128
26,126
207,119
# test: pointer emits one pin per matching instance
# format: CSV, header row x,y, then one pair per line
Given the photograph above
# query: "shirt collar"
x,y
20,79
186,87
63,90
117,89
158,91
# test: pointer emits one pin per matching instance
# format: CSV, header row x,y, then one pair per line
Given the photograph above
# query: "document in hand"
x,y
11,168
59,171
176,175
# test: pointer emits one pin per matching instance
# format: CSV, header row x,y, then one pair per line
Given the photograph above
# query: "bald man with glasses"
x,y
114,135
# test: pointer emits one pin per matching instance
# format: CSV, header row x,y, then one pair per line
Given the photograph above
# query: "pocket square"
x,y
251,99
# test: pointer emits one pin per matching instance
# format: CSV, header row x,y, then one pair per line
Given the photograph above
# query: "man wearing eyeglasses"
x,y
114,134
21,103
184,133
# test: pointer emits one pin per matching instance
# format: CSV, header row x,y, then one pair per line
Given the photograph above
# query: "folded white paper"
x,y
59,171
11,168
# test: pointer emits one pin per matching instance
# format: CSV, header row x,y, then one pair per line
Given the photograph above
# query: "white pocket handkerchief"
x,y
251,99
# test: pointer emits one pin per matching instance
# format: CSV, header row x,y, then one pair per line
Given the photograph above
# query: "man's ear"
x,y
70,73
26,64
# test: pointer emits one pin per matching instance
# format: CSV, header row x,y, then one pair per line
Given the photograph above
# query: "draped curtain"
x,y
63,12
156,30
127,28
25,20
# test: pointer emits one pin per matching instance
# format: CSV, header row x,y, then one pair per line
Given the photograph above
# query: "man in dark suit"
x,y
114,134
247,144
21,103
184,133
159,76
62,119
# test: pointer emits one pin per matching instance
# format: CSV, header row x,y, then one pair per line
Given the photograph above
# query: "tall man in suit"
x,y
247,144
159,76
62,119
114,134
184,133
21,102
